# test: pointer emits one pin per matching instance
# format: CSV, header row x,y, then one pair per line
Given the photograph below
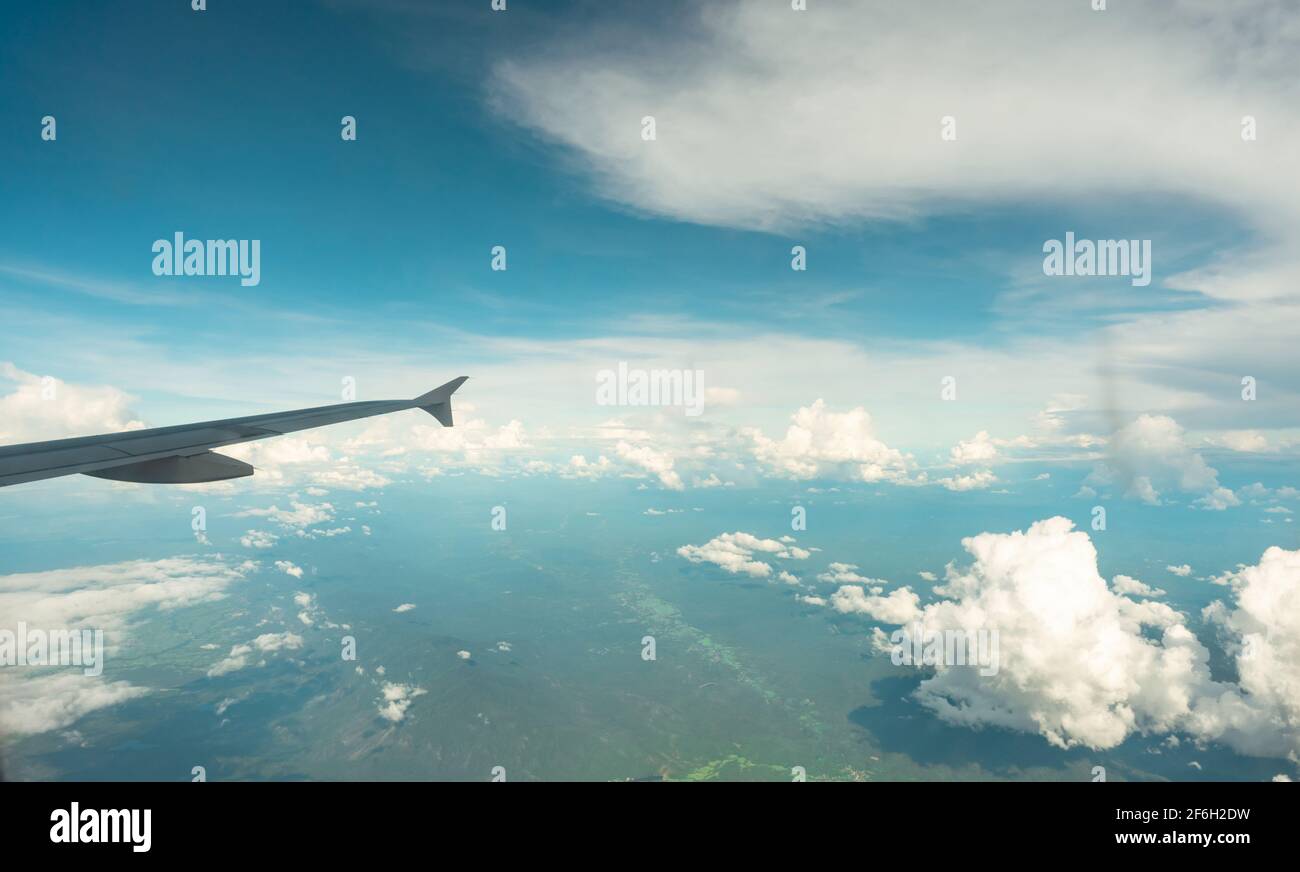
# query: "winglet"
x,y
437,402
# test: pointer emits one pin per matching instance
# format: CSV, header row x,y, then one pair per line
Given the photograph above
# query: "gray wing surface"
x,y
183,454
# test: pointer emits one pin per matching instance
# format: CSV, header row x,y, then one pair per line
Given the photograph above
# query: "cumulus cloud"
x,y
306,602
288,567
271,456
241,656
657,463
308,459
395,699
299,515
711,481
978,480
44,407
1126,585
1245,441
471,442
899,607
845,573
821,443
350,476
1084,664
979,450
404,607
1076,666
634,456
1262,631
259,539
1151,455
735,553
580,467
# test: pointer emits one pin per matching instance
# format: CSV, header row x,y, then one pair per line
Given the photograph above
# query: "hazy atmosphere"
x,y
807,349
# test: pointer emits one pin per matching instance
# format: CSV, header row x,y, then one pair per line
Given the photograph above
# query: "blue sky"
x,y
775,129
160,131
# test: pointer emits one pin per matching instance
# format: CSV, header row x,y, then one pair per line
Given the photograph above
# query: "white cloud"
x,y
735,553
1246,441
1125,585
324,532
350,476
711,481
820,443
267,643
742,76
845,573
298,515
978,450
899,607
395,699
1152,454
51,702
1074,664
748,75
1083,664
271,456
404,607
1183,571
1218,499
307,458
107,596
978,480
288,567
580,467
653,461
507,437
43,407
258,539
306,602
471,442
1262,633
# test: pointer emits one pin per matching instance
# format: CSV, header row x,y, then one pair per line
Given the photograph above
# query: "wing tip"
x,y
441,393
437,402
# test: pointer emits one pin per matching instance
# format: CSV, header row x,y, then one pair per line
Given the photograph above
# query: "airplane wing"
x,y
182,454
